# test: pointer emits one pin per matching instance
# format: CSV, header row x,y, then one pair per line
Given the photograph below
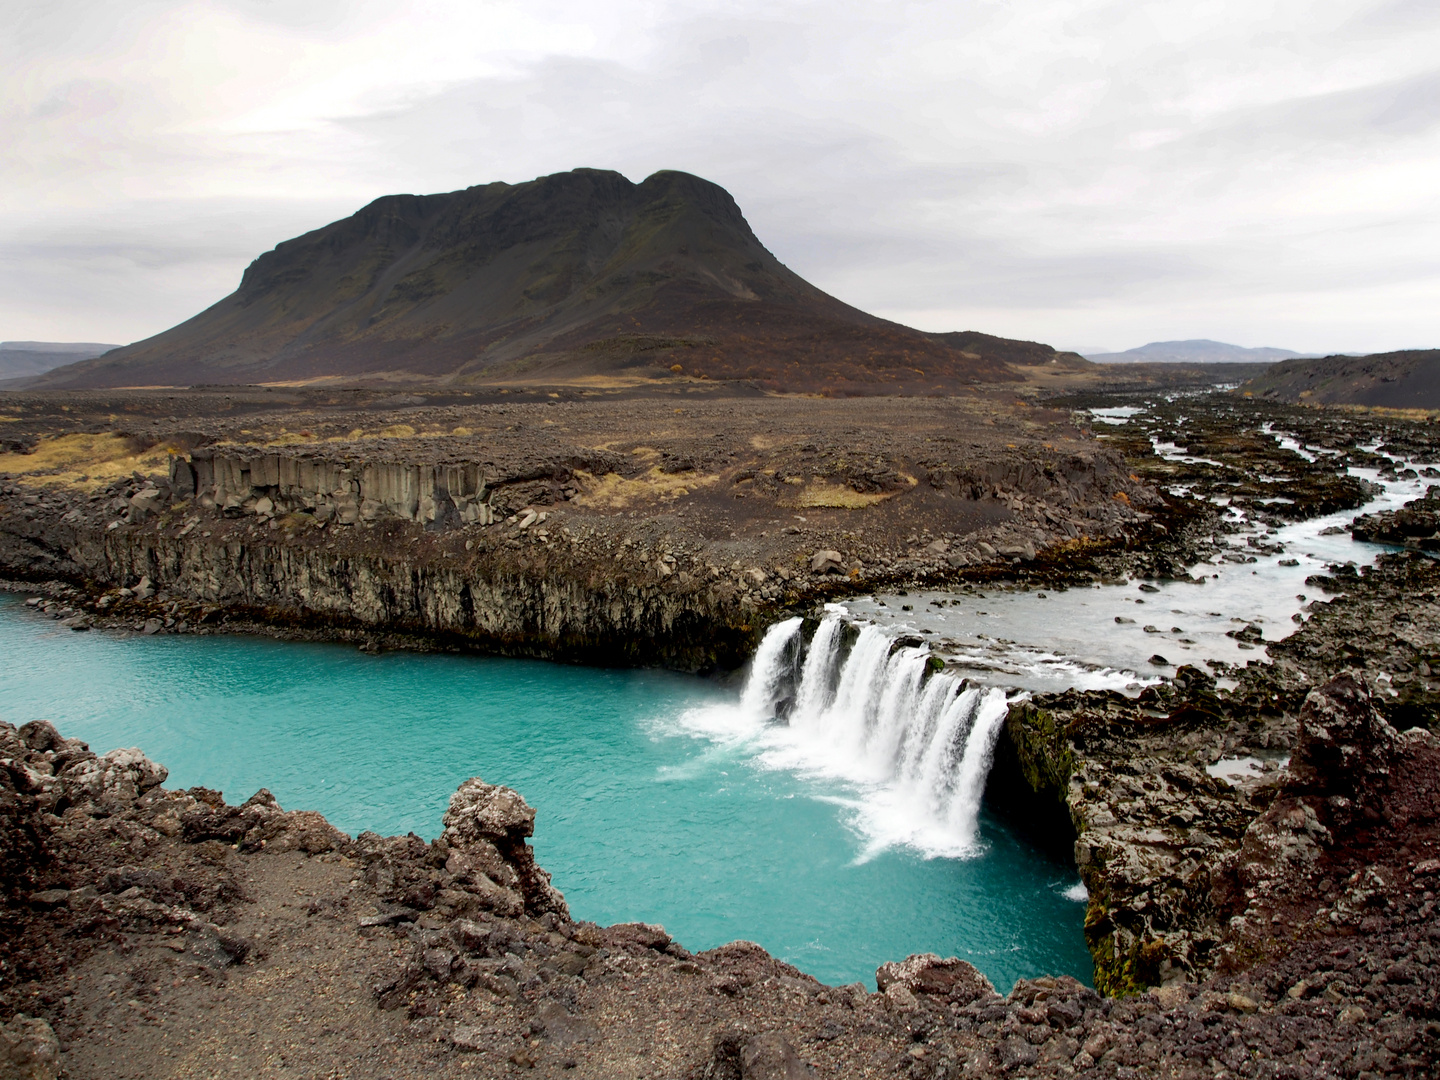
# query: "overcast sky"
x,y
1083,172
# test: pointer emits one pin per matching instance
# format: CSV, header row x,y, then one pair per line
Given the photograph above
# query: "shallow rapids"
x,y
1111,637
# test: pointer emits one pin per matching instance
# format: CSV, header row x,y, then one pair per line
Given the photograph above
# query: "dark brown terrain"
x,y
1282,927
572,277
1409,379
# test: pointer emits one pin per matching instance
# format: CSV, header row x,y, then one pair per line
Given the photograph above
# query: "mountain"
x,y
21,358
1409,379
1194,351
577,275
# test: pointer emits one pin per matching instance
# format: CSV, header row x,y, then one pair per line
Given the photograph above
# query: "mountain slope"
x,y
1408,379
1193,351
19,359
572,275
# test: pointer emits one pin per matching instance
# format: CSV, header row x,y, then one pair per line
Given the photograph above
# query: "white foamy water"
x,y
908,750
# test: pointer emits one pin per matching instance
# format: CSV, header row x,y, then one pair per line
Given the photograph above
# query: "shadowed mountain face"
x,y
572,275
1409,379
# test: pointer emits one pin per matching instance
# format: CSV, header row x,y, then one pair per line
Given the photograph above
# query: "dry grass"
x,y
292,438
836,497
614,492
86,461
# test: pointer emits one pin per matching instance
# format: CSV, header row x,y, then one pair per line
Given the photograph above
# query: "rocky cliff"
x,y
169,927
1189,867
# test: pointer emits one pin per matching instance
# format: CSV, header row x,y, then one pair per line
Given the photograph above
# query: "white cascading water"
x,y
915,746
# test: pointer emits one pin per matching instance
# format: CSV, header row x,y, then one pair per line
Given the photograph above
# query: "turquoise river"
x,y
654,803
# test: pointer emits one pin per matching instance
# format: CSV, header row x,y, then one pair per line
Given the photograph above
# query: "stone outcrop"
x,y
1186,872
276,482
1149,822
486,827
1414,525
1354,784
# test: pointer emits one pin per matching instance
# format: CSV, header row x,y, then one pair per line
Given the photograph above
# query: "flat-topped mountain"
x,y
19,359
1407,379
1194,351
574,275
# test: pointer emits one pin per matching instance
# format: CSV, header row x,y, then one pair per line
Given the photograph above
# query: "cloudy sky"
x,y
1083,172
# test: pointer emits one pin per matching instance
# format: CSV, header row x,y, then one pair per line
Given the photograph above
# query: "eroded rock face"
x,y
1150,824
242,480
1188,874
485,822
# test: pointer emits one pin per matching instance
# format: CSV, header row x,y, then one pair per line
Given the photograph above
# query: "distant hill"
x,y
1195,351
1409,379
21,358
576,275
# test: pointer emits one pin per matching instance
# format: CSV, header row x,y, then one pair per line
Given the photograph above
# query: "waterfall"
x,y
769,670
917,744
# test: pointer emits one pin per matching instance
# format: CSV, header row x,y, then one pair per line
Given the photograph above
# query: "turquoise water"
x,y
639,817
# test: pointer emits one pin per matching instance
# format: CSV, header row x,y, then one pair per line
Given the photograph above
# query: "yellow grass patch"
x,y
614,492
86,461
817,493
835,496
290,438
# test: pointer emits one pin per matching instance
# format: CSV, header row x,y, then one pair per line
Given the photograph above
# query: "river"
x,y
851,833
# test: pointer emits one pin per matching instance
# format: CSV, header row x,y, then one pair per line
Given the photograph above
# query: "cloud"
x,y
1062,169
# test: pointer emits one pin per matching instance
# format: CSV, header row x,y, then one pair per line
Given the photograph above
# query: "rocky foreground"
x,y
151,932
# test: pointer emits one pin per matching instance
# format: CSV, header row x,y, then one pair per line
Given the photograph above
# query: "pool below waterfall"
x,y
660,797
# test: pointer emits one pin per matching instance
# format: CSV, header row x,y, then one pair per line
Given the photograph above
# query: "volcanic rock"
x,y
576,274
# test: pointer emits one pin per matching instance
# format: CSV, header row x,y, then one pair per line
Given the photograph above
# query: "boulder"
x,y
28,1050
481,811
40,735
826,561
121,774
145,504
737,1054
927,973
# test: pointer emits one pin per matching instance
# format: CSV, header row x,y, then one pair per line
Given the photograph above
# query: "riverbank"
x,y
148,932
635,532
657,531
